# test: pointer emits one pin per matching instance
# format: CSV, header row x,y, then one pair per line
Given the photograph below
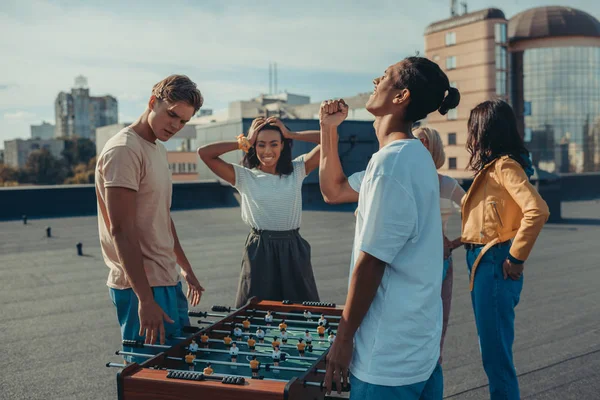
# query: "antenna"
x,y
453,8
270,77
464,5
275,78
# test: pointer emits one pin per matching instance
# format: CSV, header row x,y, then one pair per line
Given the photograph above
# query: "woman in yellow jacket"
x,y
502,216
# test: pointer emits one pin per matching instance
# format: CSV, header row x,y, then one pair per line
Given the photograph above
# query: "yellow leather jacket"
x,y
501,205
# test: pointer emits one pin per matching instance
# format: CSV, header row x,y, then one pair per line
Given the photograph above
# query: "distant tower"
x,y
453,11
81,82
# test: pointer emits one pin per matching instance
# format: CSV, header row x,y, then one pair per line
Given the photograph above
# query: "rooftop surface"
x,y
59,326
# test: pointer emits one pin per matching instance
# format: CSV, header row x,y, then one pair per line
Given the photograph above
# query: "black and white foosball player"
x,y
227,340
275,342
308,315
234,351
208,370
254,366
237,332
284,336
331,337
269,318
246,324
282,325
204,340
321,330
193,348
189,360
301,346
276,356
260,334
252,344
308,338
322,320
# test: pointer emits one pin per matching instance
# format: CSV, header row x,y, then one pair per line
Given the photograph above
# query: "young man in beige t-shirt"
x,y
137,235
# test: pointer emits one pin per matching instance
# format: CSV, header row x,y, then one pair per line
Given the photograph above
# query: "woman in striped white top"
x,y
276,260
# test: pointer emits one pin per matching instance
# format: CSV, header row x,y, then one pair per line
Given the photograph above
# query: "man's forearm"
x,y
331,174
306,136
182,260
364,283
130,255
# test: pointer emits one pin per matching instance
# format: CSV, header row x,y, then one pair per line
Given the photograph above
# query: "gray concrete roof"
x,y
59,327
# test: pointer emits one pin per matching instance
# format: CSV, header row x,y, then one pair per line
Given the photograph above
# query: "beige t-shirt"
x,y
132,162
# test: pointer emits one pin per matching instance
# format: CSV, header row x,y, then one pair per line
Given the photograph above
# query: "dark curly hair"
x,y
493,133
284,164
428,85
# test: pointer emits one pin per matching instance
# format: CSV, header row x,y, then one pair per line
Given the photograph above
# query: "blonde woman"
x,y
451,194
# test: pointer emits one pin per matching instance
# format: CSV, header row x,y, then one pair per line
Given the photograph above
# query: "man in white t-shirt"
x,y
387,342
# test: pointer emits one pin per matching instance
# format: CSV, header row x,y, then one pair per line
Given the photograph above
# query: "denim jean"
x,y
494,300
431,389
170,298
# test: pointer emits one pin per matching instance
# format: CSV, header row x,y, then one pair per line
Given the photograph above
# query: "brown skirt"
x,y
276,266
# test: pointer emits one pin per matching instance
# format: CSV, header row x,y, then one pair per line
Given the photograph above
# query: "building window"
x,y
452,114
501,83
451,62
501,60
500,33
450,38
452,163
454,85
451,139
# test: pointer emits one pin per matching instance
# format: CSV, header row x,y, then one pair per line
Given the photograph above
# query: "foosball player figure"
x,y
237,332
276,356
308,338
331,337
208,370
189,360
308,315
260,334
301,346
254,366
284,336
193,348
204,340
282,325
321,330
268,318
252,344
322,320
233,351
246,324
275,342
227,340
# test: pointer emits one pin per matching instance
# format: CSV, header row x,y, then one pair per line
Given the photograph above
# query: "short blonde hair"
x,y
434,141
176,88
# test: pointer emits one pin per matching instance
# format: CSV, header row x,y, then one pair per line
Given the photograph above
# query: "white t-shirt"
x,y
271,202
234,351
398,221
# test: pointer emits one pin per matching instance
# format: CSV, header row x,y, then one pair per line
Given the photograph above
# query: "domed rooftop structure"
x,y
552,21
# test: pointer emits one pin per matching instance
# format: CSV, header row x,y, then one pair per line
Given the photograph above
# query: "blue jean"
x,y
494,300
170,298
431,389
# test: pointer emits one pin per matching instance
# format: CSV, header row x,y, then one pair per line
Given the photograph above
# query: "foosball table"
x,y
202,365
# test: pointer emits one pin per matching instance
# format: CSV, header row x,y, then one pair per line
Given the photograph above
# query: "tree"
x,y
43,168
78,151
8,176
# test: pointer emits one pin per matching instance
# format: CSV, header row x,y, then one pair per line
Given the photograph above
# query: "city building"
x,y
43,131
183,165
17,151
544,61
472,50
79,114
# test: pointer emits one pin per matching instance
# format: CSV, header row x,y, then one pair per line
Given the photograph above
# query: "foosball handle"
x,y
133,343
345,388
221,309
198,314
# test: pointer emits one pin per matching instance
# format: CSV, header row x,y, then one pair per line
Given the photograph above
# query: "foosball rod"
x,y
282,346
250,311
206,314
236,364
262,327
115,365
249,334
237,376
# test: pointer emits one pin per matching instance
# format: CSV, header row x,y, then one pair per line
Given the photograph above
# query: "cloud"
x,y
19,116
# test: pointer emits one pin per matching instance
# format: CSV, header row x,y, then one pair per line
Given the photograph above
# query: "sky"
x,y
322,49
